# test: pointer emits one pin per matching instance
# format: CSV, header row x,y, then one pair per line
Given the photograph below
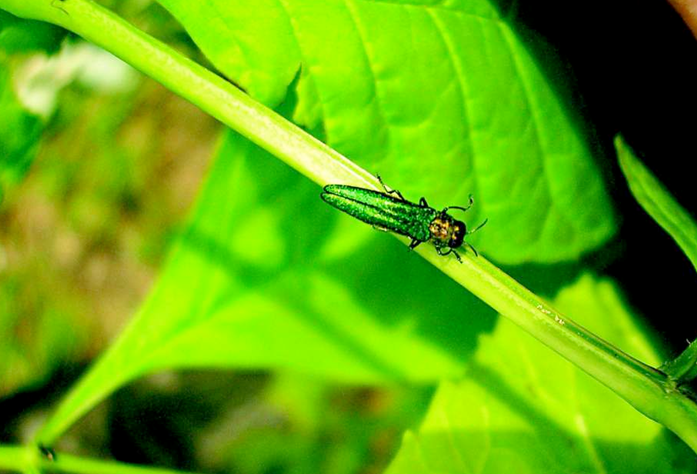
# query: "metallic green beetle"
x,y
389,211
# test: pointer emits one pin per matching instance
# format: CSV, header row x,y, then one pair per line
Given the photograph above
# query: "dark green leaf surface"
x,y
524,409
260,279
441,99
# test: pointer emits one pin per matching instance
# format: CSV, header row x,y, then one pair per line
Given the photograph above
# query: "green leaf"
x,y
657,201
26,36
524,409
441,100
251,284
19,133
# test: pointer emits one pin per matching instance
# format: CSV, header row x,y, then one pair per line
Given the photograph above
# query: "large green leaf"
x,y
260,280
442,99
524,409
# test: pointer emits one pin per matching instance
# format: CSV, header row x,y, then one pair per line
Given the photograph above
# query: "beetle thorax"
x,y
441,228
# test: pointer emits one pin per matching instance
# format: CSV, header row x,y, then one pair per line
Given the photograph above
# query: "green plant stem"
x,y
649,390
683,368
15,458
28,459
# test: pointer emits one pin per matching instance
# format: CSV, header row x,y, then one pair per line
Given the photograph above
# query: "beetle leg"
x,y
423,203
390,191
476,254
450,250
414,243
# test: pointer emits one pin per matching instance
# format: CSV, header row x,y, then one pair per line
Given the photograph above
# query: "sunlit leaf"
x,y
443,99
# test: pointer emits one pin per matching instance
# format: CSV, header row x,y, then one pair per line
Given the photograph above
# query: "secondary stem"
x,y
28,459
647,389
683,368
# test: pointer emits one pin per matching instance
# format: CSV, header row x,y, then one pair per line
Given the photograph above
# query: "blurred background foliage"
x,y
88,217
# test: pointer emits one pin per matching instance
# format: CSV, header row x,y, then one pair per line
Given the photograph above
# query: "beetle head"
x,y
457,237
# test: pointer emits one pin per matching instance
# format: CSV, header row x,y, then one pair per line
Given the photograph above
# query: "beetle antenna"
x,y
450,250
470,232
464,209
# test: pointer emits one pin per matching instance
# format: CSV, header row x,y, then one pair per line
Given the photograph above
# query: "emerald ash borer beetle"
x,y
390,211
